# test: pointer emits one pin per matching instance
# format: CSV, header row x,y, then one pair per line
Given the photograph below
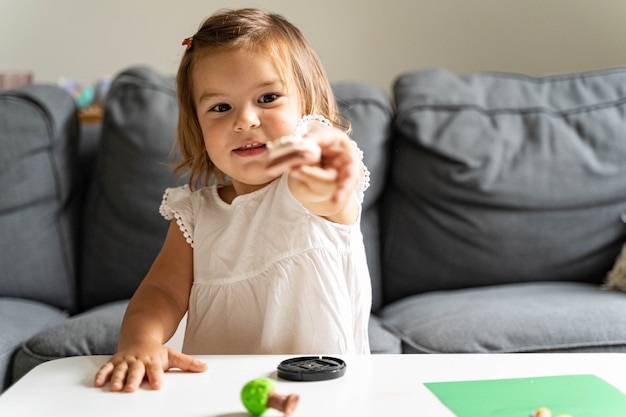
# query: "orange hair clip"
x,y
187,42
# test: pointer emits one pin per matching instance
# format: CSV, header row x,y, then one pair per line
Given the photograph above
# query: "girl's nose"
x,y
247,119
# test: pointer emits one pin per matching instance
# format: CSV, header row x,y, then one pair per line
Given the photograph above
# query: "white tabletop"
x,y
376,385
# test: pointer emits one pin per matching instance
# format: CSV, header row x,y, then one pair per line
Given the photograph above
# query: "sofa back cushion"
x,y
500,178
38,212
123,230
369,110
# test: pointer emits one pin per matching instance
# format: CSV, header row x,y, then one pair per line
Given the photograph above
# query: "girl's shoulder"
x,y
180,198
178,203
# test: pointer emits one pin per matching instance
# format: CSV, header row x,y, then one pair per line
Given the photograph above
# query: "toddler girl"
x,y
265,258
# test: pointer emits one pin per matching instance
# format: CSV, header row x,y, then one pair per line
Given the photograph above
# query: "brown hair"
x,y
268,33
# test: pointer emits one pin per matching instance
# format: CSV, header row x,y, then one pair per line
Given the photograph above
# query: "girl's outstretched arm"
x,y
151,319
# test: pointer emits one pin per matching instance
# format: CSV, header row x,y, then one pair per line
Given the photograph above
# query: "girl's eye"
x,y
221,108
268,98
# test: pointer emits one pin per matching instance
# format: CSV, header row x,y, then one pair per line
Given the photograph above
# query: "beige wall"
x,y
84,39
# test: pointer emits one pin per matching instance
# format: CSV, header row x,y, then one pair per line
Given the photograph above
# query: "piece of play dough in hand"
x,y
291,150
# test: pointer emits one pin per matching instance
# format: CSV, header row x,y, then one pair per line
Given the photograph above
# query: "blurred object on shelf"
x,y
86,95
10,80
102,88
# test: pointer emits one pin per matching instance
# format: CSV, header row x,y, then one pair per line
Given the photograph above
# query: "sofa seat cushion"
x,y
501,178
523,317
20,320
94,332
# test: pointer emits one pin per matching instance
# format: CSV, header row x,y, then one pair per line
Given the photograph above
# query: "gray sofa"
x,y
491,222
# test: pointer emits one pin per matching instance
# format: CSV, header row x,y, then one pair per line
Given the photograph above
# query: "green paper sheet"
x,y
576,395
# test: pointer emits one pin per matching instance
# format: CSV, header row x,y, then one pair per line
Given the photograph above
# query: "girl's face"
x,y
242,104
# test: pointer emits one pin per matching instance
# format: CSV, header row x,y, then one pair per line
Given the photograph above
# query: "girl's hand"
x,y
127,368
326,187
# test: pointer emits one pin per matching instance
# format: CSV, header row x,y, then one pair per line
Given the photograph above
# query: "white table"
x,y
376,385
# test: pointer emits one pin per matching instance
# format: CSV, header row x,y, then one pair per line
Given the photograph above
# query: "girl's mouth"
x,y
250,149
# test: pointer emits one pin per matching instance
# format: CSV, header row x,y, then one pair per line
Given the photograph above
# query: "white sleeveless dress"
x,y
270,277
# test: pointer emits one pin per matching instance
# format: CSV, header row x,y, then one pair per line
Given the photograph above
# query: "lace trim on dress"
x,y
363,182
170,213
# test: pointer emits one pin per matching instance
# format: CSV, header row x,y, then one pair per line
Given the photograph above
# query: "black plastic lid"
x,y
311,368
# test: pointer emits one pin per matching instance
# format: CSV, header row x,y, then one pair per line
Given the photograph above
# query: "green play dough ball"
x,y
254,395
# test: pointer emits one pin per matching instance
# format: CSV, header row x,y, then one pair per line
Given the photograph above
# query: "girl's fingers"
x,y
135,376
103,375
154,373
118,376
315,173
